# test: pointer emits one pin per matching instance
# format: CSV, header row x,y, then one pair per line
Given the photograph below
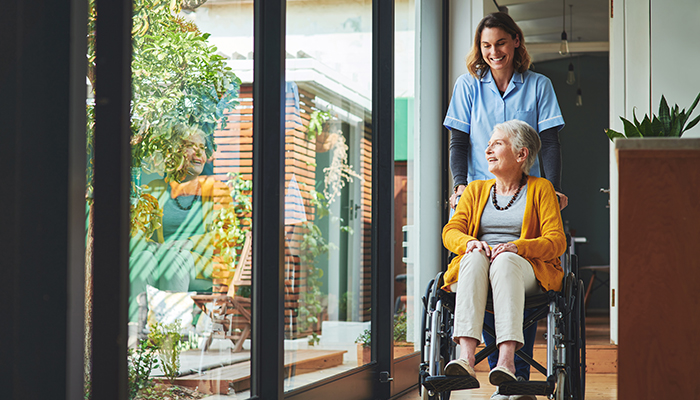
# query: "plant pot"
x,y
403,349
364,354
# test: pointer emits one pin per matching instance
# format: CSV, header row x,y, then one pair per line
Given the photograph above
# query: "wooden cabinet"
x,y
659,268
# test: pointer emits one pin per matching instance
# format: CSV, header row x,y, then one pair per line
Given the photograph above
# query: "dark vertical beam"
x,y
111,199
75,344
35,267
445,137
268,199
382,192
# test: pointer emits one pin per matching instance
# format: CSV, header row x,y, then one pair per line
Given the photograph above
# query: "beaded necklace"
x,y
512,200
194,199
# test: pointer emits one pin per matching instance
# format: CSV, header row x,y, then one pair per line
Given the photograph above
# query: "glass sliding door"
x,y
191,186
405,316
327,189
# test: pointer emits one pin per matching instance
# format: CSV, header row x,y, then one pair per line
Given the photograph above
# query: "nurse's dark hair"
x,y
521,135
476,64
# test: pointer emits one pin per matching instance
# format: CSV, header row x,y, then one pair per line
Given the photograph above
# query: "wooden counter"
x,y
659,268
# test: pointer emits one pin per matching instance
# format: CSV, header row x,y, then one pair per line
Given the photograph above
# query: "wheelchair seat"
x,y
565,366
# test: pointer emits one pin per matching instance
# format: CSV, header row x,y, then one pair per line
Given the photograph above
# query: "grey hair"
x,y
521,135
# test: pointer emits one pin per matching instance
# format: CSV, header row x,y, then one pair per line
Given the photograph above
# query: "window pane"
x,y
191,213
405,316
327,188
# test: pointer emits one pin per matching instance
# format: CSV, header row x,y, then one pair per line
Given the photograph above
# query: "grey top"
x,y
502,226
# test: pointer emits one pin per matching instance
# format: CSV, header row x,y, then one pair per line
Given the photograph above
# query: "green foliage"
x,y
670,122
312,246
316,120
231,223
400,327
365,337
166,339
177,78
141,362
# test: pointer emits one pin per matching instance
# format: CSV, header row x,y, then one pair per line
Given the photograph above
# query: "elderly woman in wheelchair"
x,y
508,236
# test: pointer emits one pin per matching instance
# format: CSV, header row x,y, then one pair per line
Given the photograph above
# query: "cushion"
x,y
167,307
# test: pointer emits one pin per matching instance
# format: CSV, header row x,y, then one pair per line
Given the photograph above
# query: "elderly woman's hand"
x,y
502,248
473,245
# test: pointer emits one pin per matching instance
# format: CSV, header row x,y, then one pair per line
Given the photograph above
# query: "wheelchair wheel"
x,y
577,352
429,340
575,385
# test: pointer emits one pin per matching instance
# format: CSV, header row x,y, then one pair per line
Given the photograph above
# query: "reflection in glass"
x,y
327,189
404,314
189,302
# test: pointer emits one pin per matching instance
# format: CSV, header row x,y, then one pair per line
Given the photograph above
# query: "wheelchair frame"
x,y
565,369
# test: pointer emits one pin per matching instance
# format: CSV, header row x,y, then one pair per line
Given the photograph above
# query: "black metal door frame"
x,y
111,215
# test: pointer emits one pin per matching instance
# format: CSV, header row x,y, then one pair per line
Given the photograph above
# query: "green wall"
x,y
403,124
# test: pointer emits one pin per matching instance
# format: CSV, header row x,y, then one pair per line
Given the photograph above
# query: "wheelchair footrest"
x,y
446,383
534,388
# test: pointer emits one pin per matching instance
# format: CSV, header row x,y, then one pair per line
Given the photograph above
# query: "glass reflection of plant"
x,y
312,246
177,78
324,124
231,223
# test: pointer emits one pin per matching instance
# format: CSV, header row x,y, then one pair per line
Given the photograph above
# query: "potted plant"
x,y
670,122
401,346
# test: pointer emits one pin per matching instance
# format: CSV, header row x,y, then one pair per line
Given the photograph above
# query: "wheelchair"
x,y
565,372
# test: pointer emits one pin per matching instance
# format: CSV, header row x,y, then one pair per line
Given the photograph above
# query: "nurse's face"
x,y
498,48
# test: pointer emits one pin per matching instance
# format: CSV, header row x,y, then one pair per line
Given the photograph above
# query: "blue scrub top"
x,y
477,106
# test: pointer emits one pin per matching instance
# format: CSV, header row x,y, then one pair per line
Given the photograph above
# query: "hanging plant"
x,y
339,172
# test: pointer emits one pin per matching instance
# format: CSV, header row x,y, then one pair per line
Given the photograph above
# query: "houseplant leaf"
x,y
675,128
645,127
665,116
657,127
692,106
630,129
692,123
612,134
634,118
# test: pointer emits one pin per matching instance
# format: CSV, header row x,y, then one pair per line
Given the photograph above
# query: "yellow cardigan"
x,y
542,239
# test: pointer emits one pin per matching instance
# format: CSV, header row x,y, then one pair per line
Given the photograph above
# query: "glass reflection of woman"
x,y
178,256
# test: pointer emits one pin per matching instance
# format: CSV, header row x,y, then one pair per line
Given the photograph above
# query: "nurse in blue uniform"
x,y
500,87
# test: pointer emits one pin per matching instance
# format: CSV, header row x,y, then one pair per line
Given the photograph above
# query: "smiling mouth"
x,y
498,59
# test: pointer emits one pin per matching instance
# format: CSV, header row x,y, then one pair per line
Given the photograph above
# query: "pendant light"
x,y
571,76
579,98
564,46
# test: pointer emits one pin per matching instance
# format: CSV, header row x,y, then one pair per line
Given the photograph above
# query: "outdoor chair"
x,y
230,313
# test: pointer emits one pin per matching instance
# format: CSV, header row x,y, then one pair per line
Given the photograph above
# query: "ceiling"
x,y
541,22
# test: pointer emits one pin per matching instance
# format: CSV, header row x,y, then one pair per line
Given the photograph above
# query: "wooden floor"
x,y
601,376
598,387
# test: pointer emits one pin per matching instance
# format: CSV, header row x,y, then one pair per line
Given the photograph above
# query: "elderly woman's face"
x,y
501,159
195,154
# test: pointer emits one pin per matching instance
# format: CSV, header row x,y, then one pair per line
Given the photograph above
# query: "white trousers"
x,y
511,278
